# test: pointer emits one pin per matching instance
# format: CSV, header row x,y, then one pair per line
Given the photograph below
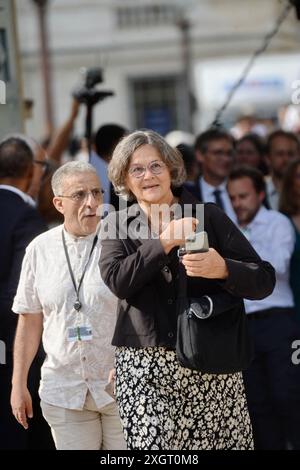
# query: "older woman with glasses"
x,y
164,405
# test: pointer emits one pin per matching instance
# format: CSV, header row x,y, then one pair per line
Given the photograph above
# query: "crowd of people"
x,y
91,288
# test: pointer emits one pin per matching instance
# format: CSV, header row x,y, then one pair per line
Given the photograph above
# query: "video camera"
x,y
87,93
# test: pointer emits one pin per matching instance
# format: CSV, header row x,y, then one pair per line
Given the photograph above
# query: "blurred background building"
x,y
11,109
170,63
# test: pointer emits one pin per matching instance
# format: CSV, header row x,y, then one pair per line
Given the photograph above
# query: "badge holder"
x,y
80,333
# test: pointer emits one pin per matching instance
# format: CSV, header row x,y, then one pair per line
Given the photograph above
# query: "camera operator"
x,y
97,151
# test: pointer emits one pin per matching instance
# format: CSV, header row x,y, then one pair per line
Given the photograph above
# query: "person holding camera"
x,y
162,404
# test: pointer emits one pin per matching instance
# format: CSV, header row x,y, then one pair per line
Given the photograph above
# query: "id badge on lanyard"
x,y
80,333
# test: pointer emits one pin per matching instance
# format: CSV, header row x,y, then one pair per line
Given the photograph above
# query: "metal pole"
x,y
45,62
184,26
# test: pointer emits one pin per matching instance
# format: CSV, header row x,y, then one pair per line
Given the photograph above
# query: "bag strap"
x,y
182,284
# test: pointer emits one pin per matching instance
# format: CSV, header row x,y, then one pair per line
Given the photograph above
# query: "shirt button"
x,y
84,358
170,301
86,379
79,256
170,334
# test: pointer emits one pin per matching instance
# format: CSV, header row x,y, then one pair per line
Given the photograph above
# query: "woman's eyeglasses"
x,y
138,171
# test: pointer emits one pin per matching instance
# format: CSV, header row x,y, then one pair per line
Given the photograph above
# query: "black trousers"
x,y
272,382
12,435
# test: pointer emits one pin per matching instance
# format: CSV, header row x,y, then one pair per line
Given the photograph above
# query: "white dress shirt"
x,y
70,368
272,235
207,191
272,193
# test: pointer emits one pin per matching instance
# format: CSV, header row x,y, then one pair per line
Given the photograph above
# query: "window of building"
x,y
146,15
157,104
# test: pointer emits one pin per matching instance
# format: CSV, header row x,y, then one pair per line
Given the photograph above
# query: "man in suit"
x,y
19,224
272,381
214,150
282,147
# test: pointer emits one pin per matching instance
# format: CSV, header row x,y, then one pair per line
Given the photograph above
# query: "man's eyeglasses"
x,y
222,153
284,153
138,171
82,196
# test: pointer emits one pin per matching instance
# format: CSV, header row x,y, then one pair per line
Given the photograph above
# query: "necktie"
x,y
218,199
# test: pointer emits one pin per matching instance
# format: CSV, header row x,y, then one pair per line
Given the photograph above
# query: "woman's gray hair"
x,y
67,170
118,166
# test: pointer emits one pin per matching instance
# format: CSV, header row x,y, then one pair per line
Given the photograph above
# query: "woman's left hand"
x,y
209,265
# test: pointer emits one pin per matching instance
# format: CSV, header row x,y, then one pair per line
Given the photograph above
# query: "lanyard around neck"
x,y
77,304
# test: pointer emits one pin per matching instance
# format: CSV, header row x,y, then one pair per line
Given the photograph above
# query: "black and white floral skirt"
x,y
168,407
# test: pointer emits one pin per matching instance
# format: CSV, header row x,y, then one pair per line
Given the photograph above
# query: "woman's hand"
x,y
209,265
176,232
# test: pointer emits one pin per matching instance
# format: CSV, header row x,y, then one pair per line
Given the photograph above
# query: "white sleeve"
x,y
282,248
26,299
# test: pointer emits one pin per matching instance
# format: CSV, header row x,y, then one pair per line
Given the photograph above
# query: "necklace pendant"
x,y
77,305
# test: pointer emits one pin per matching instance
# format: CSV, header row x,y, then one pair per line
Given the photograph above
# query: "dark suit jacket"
x,y
19,224
194,189
137,272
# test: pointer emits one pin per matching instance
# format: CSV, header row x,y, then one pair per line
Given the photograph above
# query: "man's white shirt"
x,y
70,368
272,235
